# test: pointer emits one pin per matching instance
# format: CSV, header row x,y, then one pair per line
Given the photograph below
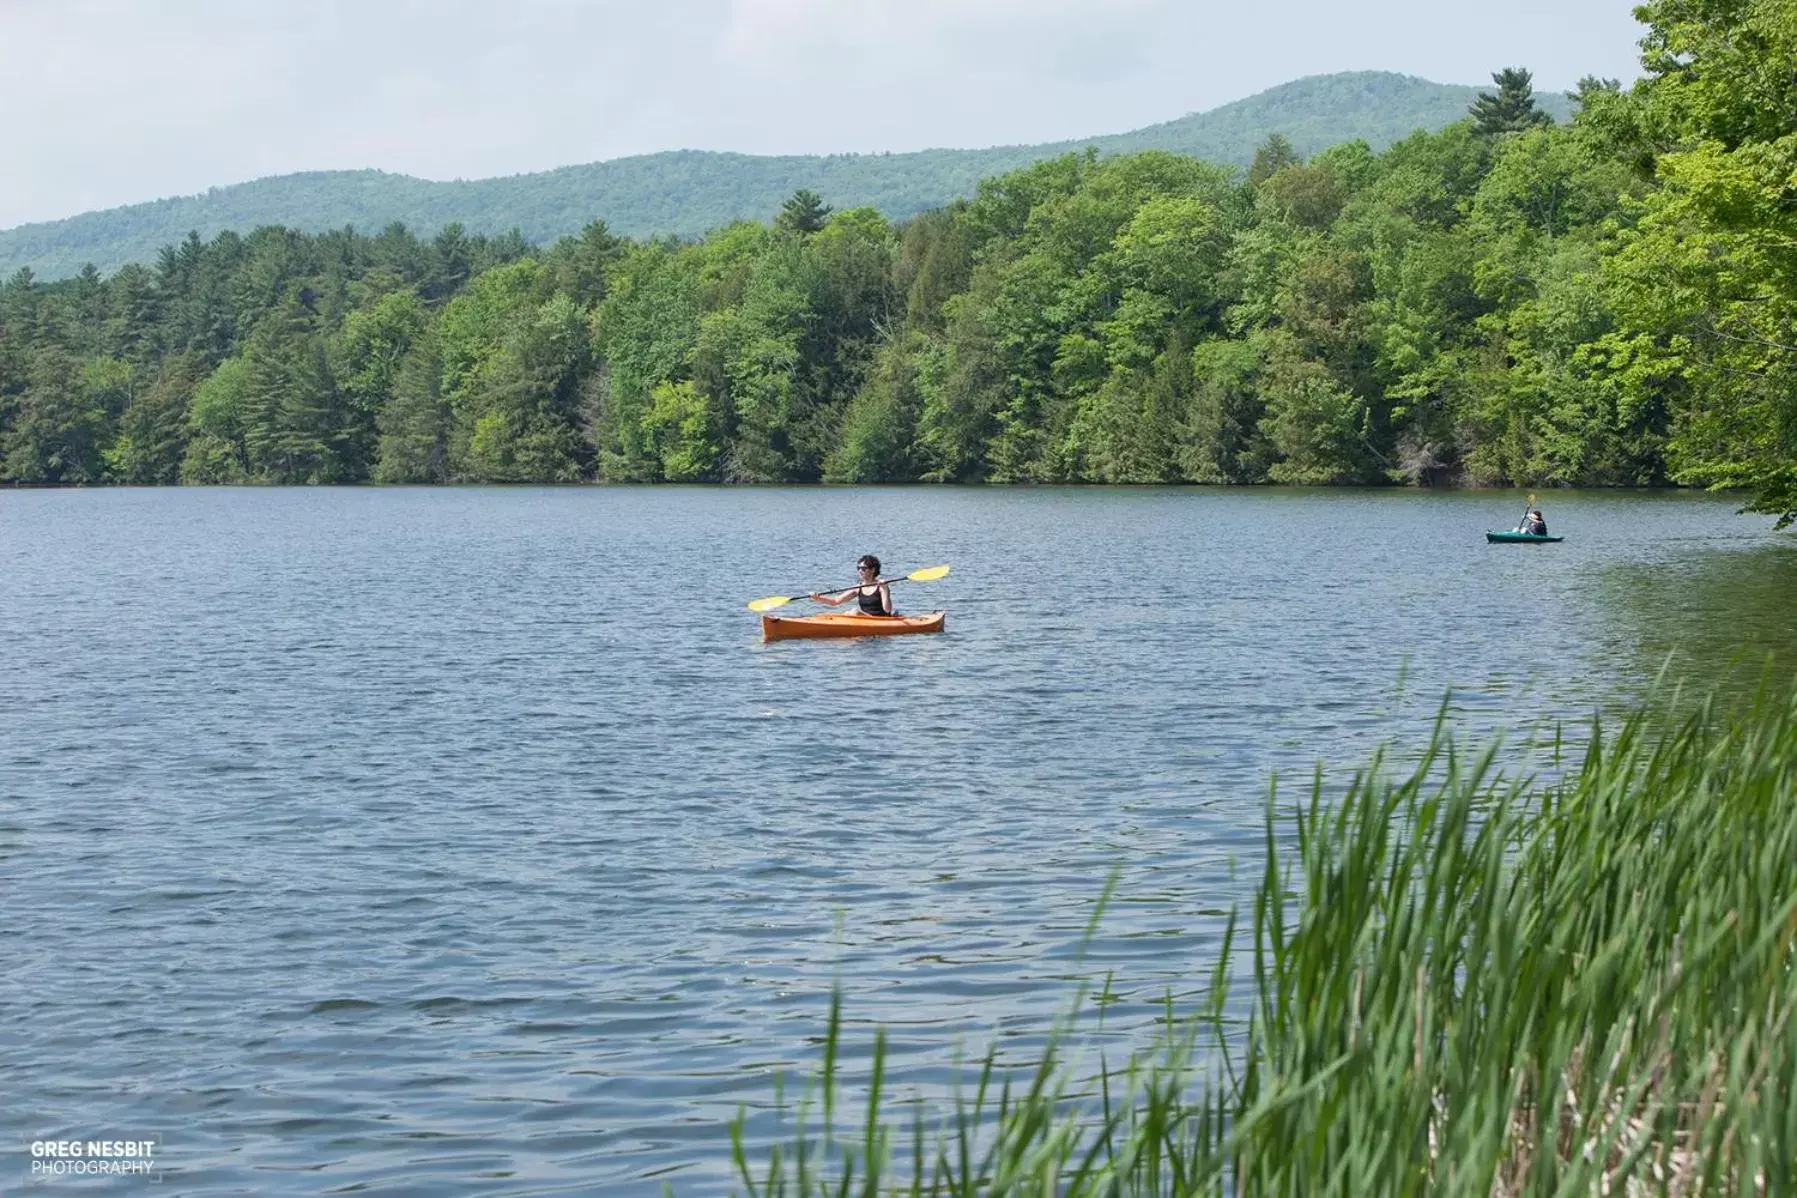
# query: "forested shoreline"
x,y
1612,301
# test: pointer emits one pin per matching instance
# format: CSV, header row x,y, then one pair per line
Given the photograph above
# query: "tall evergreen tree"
x,y
581,262
153,430
300,429
804,213
1272,156
58,425
133,313
449,263
415,423
1512,110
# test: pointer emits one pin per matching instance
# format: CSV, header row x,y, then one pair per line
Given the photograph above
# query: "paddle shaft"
x,y
927,574
856,589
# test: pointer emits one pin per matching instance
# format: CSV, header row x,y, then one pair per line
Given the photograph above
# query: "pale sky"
x,y
108,102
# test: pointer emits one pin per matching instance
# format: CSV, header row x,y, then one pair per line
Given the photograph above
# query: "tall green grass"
x,y
1457,983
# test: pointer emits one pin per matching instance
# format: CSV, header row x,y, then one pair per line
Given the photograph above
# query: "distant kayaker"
x,y
872,592
1533,523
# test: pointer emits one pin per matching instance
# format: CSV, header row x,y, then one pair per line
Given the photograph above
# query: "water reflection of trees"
x,y
1720,622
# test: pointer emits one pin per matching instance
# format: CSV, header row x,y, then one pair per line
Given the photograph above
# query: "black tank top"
x,y
871,604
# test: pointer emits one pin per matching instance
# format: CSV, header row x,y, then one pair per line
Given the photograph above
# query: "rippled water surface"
x,y
471,841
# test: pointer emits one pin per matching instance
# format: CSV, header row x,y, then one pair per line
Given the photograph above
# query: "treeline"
x,y
1609,301
688,192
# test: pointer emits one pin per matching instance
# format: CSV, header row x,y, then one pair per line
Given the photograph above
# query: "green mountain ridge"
x,y
686,192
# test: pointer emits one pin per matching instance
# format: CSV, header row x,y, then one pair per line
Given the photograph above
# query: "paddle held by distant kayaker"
x,y
872,593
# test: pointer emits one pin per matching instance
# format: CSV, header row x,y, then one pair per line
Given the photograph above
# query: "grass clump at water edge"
x,y
1459,984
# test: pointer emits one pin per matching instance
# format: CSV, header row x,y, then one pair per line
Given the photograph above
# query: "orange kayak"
x,y
833,624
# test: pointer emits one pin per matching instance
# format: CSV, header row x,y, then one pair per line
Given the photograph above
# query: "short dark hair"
x,y
870,561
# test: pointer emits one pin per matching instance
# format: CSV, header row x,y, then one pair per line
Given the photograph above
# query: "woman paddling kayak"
x,y
1532,530
873,592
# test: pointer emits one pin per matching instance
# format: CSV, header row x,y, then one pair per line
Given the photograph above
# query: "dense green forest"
x,y
686,193
1608,301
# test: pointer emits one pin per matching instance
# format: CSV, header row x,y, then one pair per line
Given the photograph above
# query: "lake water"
x,y
470,841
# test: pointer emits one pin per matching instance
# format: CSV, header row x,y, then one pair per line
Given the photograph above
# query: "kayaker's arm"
x,y
838,598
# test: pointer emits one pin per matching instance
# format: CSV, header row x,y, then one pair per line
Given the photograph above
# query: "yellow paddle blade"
x,y
770,603
927,574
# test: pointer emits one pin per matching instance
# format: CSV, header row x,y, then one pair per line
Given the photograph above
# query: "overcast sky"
x,y
106,102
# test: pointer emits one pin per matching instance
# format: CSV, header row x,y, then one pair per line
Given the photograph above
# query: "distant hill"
x,y
687,192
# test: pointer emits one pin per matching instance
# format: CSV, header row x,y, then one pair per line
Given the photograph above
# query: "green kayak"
x,y
1527,538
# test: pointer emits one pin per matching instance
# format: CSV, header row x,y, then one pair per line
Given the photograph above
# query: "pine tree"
x,y
153,430
1512,110
804,213
582,262
414,424
1272,156
133,312
57,428
298,428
